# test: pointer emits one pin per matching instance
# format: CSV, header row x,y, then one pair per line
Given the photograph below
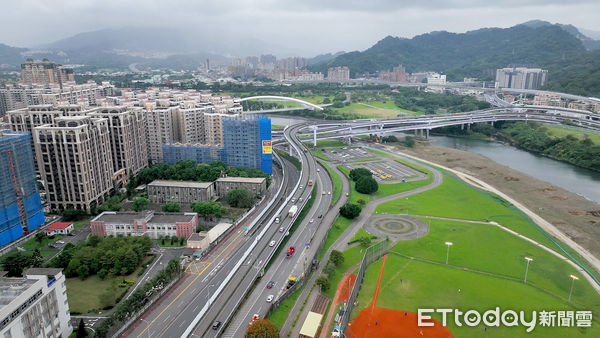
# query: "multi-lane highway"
x,y
172,314
227,306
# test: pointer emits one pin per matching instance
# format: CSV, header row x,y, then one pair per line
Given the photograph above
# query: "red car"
x,y
270,284
290,251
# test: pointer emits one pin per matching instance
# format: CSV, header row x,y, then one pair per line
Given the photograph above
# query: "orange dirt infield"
x,y
341,296
379,322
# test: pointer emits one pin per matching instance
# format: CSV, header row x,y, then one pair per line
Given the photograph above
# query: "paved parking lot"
x,y
384,170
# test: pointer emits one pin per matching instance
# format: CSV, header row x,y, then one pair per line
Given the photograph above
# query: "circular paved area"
x,y
396,227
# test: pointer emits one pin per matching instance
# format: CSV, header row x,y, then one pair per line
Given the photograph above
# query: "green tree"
x,y
336,257
40,237
323,283
171,207
240,198
14,263
365,241
326,100
36,259
350,210
366,185
81,330
356,174
409,141
73,215
262,328
141,204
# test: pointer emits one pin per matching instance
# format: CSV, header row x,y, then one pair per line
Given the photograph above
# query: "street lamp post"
x,y
147,326
573,278
448,251
528,259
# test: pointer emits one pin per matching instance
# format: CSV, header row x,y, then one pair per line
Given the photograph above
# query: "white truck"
x,y
293,211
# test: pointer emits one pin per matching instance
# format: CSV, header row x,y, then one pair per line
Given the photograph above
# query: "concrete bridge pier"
x,y
426,134
290,150
314,136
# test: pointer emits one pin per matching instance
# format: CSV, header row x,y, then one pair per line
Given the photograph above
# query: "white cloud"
x,y
311,26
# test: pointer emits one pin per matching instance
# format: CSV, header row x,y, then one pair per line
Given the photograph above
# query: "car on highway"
x,y
347,194
60,242
311,220
320,216
272,243
270,284
216,325
329,193
290,251
324,192
270,298
281,229
254,318
318,170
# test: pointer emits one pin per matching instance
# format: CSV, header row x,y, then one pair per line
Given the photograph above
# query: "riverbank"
x,y
575,216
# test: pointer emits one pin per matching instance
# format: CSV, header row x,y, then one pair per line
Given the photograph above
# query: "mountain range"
x,y
477,53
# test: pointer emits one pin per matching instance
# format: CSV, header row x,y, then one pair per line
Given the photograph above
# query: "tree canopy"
x,y
240,198
357,173
350,210
366,185
262,328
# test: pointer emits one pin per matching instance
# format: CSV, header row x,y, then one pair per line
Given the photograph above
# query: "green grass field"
x,y
559,131
45,251
410,284
360,234
84,295
281,312
375,109
337,182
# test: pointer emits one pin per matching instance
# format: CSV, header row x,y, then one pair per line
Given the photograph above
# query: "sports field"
x,y
486,264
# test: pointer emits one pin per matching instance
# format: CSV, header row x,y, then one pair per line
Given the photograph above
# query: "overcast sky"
x,y
312,26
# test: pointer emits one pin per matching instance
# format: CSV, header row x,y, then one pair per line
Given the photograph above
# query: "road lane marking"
x,y
185,289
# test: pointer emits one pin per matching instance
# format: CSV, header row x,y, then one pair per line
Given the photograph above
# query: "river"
x,y
578,180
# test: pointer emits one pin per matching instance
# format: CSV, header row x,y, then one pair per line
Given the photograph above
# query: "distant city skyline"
x,y
349,25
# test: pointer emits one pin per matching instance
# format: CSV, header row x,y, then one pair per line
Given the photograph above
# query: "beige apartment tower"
x,y
75,162
45,72
127,138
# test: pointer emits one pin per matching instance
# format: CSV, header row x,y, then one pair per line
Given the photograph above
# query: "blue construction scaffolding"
x,y
20,202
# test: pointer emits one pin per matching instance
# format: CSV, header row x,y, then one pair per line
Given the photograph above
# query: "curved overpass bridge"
x,y
550,115
282,98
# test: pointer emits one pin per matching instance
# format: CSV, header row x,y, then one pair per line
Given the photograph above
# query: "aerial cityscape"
x,y
312,169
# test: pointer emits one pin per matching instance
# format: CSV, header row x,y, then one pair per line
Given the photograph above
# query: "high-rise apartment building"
x,y
20,202
127,138
35,305
74,159
521,78
338,74
45,72
247,143
16,96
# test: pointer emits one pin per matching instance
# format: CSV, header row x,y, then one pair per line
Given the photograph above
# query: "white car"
x,y
280,229
318,170
329,193
270,298
324,192
60,242
312,220
272,243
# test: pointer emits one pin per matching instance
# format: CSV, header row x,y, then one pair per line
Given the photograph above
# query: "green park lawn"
x,y
375,109
335,231
410,284
560,131
279,315
85,295
360,234
490,249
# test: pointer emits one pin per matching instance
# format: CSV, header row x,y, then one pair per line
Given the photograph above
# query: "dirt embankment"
x,y
574,215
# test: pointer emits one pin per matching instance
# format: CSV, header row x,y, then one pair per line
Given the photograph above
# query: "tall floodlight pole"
x,y
448,251
528,259
573,278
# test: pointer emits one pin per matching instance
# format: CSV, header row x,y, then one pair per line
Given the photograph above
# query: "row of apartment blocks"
x,y
45,72
83,153
16,96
